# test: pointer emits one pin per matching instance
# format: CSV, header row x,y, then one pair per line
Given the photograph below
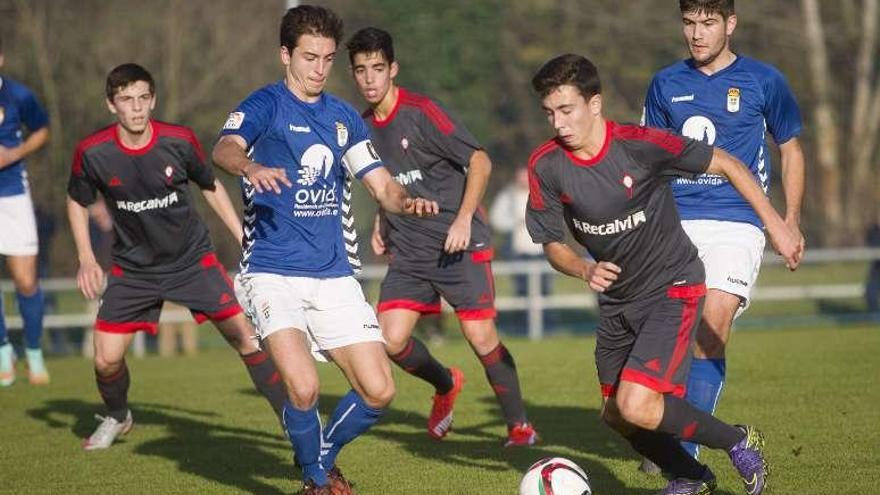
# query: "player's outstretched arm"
x,y
599,276
784,239
793,170
229,154
458,236
90,275
392,197
32,143
218,200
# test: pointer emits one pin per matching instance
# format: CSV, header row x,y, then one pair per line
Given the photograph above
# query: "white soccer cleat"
x,y
107,431
7,365
37,372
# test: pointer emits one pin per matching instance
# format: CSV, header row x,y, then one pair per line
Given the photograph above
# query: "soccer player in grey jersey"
x,y
433,156
608,183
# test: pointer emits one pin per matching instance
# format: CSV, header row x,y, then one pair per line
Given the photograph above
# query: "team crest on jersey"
x,y
169,174
2,115
733,95
628,182
404,143
341,134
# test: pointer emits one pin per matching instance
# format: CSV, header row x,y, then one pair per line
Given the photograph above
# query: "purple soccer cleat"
x,y
748,459
684,486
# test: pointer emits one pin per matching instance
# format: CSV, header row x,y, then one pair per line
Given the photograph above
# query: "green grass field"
x,y
200,429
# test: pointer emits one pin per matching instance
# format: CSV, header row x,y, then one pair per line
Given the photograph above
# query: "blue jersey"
x,y
732,109
19,109
308,229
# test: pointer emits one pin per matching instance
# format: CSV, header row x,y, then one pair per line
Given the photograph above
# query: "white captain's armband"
x,y
361,158
234,121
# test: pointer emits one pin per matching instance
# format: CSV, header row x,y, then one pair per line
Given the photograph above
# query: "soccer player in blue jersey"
x,y
20,111
730,101
297,148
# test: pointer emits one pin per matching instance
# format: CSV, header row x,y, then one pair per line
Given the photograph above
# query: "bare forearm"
x,y
229,154
32,143
479,170
392,198
219,201
566,261
793,179
78,216
744,182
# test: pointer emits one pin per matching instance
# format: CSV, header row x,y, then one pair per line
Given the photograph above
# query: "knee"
x,y
27,287
106,366
395,342
483,338
637,411
380,397
303,394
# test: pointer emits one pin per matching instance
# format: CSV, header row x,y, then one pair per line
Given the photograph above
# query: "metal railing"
x,y
535,303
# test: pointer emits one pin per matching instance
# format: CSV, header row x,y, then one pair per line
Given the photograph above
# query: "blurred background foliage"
x,y
475,56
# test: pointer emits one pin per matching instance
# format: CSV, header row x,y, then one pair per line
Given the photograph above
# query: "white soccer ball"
x,y
555,476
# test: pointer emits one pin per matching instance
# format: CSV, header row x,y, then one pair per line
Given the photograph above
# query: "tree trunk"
x,y
863,137
827,141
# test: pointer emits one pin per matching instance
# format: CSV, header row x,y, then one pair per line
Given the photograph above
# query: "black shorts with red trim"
x,y
464,279
132,302
650,342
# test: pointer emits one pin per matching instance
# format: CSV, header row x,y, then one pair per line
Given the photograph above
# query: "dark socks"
x,y
417,361
501,373
114,391
266,379
665,451
688,423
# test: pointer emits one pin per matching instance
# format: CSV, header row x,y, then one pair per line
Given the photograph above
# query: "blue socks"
x,y
351,418
31,309
704,386
304,432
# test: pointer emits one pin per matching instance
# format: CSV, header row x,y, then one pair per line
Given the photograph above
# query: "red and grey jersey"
x,y
428,152
157,229
619,206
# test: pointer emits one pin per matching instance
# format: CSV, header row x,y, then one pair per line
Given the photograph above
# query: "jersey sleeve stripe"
x,y
536,199
184,133
672,143
434,113
101,136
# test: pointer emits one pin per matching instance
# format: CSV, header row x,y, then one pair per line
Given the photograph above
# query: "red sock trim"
x,y
493,356
400,356
255,358
112,378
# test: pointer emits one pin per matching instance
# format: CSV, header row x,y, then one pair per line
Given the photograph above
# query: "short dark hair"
x,y
124,75
568,69
371,40
309,19
708,7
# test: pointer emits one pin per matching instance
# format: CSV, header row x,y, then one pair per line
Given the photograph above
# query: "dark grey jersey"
x,y
619,206
427,152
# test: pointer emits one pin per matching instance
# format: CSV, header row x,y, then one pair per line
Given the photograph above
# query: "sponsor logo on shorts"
x,y
148,204
616,227
265,310
737,281
371,326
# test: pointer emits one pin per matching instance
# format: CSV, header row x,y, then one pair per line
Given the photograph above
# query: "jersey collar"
x,y
609,126
136,151
387,120
690,64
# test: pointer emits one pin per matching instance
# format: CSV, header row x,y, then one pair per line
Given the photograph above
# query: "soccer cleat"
x,y
683,486
648,467
107,431
37,372
338,484
7,365
521,435
748,459
310,488
440,420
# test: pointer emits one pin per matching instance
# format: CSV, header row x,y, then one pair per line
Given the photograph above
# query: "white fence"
x,y
534,303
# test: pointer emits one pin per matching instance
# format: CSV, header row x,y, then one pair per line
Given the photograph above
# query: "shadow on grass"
x,y
196,442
